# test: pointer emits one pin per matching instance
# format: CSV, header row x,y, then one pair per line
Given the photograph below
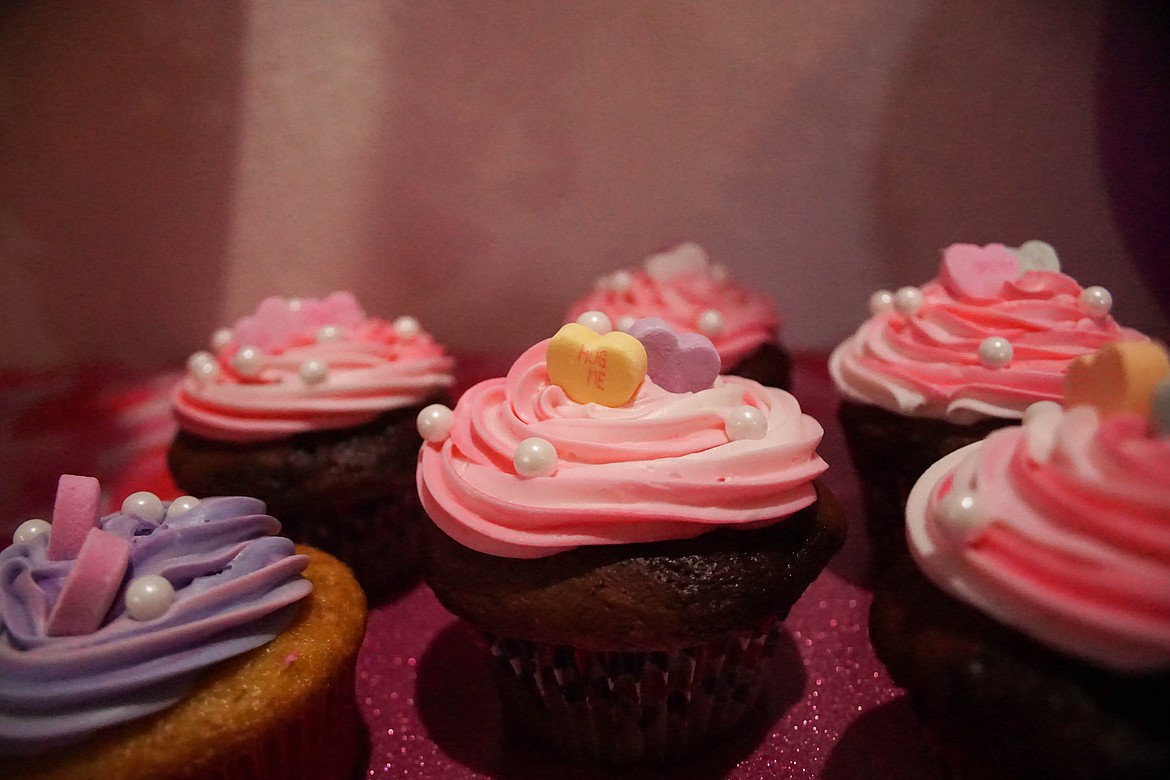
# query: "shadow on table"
x,y
882,744
458,704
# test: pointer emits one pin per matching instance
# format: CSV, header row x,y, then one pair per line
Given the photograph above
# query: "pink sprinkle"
x,y
75,512
91,586
291,658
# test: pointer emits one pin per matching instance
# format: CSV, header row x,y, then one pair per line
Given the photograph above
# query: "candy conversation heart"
x,y
680,363
1119,378
606,370
978,273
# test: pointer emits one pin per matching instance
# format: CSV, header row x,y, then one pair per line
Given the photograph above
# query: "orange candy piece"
x,y
1118,379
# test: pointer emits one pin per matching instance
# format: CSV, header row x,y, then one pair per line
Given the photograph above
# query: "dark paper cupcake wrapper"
x,y
616,708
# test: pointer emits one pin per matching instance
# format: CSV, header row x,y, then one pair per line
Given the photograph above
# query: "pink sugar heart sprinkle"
x,y
91,585
971,272
76,510
678,363
279,324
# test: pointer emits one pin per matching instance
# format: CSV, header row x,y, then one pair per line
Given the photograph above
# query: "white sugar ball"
x,y
221,338
621,281
203,366
596,321
435,423
535,457
407,327
995,352
182,504
149,597
30,529
248,361
908,300
881,302
960,515
1096,301
329,333
314,371
711,323
144,504
625,322
746,422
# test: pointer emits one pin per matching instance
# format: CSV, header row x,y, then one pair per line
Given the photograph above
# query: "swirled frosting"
x,y
680,295
236,588
927,364
1058,529
365,367
658,467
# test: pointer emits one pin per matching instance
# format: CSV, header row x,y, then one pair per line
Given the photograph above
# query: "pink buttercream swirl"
x,y
927,364
680,297
1069,543
660,467
369,369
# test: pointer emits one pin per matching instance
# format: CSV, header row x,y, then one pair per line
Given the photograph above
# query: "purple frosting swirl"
x,y
236,587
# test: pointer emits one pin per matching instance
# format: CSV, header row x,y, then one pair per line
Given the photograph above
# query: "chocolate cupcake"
x,y
682,287
310,406
628,551
1032,626
940,366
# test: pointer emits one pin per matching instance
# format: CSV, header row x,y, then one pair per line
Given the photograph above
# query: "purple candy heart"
x,y
679,363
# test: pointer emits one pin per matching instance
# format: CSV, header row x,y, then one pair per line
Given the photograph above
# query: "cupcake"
x,y
175,639
940,366
684,288
310,406
629,552
1032,628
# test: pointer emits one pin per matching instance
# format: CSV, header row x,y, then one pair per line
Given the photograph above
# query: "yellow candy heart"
x,y
596,369
1118,378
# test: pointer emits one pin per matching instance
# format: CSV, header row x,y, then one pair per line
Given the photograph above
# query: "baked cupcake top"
x,y
684,288
580,444
993,334
300,365
107,620
1059,528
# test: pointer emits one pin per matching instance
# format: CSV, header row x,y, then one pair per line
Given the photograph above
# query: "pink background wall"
x,y
164,166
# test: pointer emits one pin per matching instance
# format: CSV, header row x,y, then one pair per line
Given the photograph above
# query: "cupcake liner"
x,y
321,744
619,708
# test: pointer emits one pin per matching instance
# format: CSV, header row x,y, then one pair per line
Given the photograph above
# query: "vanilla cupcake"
x,y
684,288
629,551
310,405
1032,629
940,366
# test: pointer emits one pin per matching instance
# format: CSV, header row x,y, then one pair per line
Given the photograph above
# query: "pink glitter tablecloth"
x,y
423,681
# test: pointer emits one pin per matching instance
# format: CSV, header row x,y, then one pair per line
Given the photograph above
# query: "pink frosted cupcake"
x,y
629,551
1032,630
685,289
310,406
940,366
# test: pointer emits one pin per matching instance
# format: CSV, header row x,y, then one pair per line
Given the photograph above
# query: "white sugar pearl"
x,y
995,352
1096,301
1160,408
745,422
149,597
535,457
329,333
601,283
625,322
908,300
1040,409
407,327
710,322
294,304
314,371
959,515
719,272
620,281
881,302
144,504
435,423
182,504
30,529
203,366
596,321
221,338
248,361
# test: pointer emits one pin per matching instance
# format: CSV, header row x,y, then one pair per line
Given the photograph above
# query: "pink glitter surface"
x,y
425,688
424,683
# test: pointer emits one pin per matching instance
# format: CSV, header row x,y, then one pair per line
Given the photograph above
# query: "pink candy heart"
x,y
977,273
678,363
